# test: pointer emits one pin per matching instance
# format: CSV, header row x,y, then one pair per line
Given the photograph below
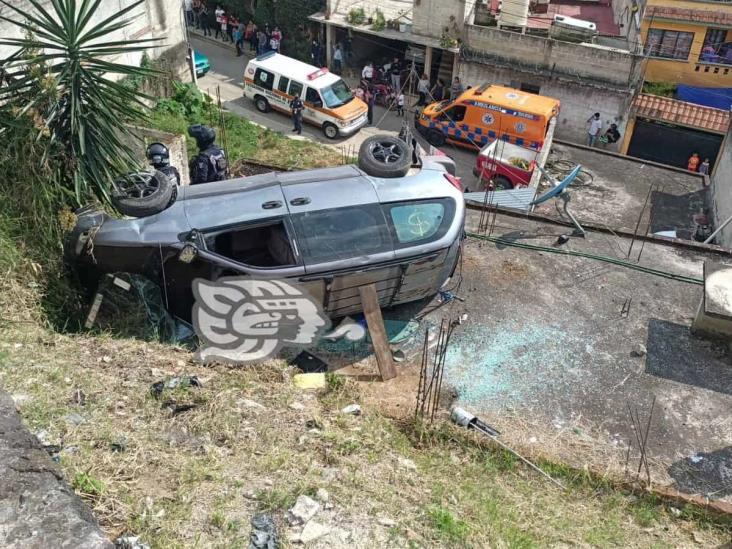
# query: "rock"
x,y
297,406
304,509
312,531
330,474
37,508
675,511
352,409
264,533
322,494
75,419
106,359
387,522
130,542
639,350
407,463
250,404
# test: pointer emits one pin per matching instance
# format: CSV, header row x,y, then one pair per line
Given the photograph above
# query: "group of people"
x,y
229,28
694,164
594,135
210,164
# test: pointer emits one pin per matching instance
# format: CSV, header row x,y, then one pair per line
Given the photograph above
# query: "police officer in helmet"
x,y
210,163
159,158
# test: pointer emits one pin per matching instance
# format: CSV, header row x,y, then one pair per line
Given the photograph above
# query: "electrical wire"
x,y
648,270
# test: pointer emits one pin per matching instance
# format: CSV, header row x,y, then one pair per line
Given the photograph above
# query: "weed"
x,y
88,485
449,528
218,519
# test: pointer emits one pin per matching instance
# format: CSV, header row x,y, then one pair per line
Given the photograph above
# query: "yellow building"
x,y
688,42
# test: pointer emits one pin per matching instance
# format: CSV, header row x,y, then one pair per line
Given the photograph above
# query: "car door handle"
x,y
301,201
272,204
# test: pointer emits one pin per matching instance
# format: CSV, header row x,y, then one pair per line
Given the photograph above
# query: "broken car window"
x,y
342,233
420,221
263,246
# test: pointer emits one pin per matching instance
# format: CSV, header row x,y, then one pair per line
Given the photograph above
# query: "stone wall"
x,y
159,19
578,99
722,191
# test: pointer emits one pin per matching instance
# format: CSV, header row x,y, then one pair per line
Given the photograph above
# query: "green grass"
x,y
665,89
450,529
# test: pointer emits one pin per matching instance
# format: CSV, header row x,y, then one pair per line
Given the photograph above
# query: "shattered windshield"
x,y
337,94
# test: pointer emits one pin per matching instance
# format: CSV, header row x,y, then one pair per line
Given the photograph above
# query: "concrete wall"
x,y
430,17
392,9
153,19
722,191
599,64
629,21
578,100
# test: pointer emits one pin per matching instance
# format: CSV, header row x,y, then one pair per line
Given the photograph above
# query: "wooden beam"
x,y
375,322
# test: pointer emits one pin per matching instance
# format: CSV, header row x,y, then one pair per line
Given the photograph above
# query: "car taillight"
x,y
454,181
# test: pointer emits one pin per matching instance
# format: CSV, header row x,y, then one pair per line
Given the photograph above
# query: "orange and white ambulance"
x,y
272,80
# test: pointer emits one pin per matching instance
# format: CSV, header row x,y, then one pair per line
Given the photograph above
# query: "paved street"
x,y
227,71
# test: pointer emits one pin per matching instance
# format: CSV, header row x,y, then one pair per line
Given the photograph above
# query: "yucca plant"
x,y
64,77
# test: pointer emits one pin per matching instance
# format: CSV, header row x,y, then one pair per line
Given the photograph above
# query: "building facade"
x,y
466,38
688,42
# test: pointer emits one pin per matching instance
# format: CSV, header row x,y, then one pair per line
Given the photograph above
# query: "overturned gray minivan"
x,y
332,230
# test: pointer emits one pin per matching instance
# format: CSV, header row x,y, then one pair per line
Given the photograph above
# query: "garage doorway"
x,y
672,145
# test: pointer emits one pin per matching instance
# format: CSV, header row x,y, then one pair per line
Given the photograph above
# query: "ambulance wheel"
x,y
385,156
435,138
261,103
330,130
140,194
502,183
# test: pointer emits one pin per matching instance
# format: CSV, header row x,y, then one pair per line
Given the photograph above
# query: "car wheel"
x,y
384,156
140,194
330,130
261,103
435,138
502,183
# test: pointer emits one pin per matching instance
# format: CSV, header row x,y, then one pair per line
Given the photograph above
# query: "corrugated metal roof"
x,y
516,199
720,16
681,112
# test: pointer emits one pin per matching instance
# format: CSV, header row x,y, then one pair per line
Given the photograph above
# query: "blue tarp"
x,y
719,98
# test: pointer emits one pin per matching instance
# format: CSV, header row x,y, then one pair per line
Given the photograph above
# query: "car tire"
x,y
330,130
385,156
142,194
435,138
261,103
502,183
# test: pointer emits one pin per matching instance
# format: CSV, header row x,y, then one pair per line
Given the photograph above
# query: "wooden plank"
x,y
375,322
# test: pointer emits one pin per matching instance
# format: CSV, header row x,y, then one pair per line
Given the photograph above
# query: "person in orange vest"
x,y
693,163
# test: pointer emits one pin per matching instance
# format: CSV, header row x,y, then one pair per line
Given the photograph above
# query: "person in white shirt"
x,y
368,71
594,130
188,7
338,59
400,104
219,13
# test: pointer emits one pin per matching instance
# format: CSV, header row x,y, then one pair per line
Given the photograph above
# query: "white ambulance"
x,y
272,80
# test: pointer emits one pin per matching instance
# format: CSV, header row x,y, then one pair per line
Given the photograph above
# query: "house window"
x,y
716,48
668,44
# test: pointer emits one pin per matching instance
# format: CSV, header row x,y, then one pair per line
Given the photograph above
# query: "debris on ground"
x,y
639,350
352,409
322,495
75,419
407,463
176,408
78,397
309,381
308,363
158,387
387,522
264,533
245,402
313,530
305,508
130,542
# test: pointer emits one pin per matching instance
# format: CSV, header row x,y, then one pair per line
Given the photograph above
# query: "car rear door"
x,y
342,235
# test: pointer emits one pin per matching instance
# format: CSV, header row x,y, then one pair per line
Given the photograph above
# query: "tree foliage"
x,y
64,78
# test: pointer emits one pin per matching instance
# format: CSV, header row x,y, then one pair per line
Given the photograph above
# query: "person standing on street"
x,y
338,59
438,91
197,13
370,98
210,163
261,42
248,32
231,25
396,75
704,167
400,103
693,164
239,38
219,15
456,89
368,72
203,18
423,88
296,107
188,7
594,130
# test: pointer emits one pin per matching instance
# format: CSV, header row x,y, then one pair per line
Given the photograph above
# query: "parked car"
x,y
201,62
395,221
